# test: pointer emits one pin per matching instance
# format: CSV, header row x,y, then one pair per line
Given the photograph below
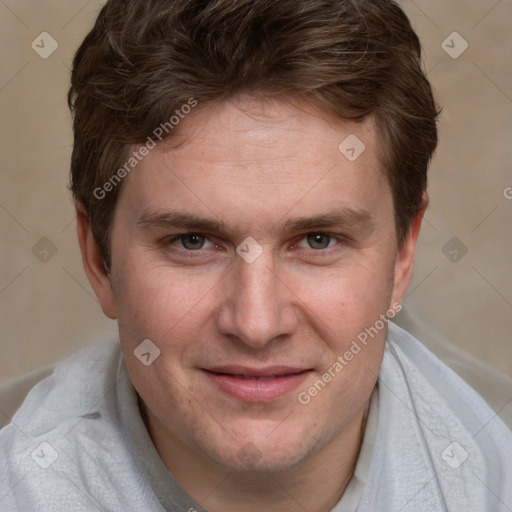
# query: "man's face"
x,y
242,339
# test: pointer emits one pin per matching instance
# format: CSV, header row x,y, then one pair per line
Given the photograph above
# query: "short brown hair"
x,y
144,59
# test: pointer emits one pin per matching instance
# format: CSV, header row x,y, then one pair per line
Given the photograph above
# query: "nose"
x,y
257,306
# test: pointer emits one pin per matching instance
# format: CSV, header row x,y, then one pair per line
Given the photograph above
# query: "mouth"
x,y
256,385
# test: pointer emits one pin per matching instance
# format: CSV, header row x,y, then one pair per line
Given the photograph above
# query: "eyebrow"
x,y
347,217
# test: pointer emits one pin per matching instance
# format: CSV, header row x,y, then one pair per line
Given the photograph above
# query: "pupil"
x,y
193,241
318,241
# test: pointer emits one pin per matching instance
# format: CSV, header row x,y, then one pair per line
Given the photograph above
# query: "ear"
x,y
94,266
404,264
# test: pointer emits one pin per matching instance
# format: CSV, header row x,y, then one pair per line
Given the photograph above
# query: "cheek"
x,y
347,309
352,328
161,304
348,297
156,299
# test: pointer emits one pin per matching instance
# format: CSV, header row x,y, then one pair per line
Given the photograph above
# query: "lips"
x,y
256,384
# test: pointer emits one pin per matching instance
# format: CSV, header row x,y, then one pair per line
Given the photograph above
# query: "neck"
x,y
316,484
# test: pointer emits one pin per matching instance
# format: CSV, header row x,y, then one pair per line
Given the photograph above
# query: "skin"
x,y
254,164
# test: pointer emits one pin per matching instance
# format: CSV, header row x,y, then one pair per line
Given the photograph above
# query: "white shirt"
x,y
437,445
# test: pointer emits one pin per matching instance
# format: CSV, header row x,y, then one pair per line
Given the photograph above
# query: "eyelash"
x,y
190,253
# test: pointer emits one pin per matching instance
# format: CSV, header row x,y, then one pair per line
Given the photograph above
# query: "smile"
x,y
253,385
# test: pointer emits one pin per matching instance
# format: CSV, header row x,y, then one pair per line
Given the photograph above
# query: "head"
x,y
223,216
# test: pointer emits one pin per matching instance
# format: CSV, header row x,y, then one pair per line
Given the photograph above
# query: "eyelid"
x,y
170,240
176,238
337,238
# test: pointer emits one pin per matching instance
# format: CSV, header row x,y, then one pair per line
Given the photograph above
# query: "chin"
x,y
251,459
262,454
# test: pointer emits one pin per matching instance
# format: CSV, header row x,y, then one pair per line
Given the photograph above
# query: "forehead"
x,y
264,156
248,129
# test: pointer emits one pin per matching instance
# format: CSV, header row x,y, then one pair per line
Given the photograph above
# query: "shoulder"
x,y
425,375
65,448
71,390
434,428
13,392
491,384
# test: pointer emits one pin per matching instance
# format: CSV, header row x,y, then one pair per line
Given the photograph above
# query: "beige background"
x,y
47,309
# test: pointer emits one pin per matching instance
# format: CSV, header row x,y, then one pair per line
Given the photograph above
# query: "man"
x,y
250,179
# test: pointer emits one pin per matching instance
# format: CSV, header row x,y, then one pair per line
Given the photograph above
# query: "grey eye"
x,y
193,241
319,240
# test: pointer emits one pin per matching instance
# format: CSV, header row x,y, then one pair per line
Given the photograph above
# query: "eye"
x,y
317,241
192,241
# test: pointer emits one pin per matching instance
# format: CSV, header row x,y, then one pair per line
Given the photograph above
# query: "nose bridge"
x,y
257,308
